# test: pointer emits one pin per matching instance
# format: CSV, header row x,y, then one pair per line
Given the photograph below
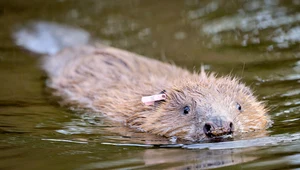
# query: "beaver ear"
x,y
163,92
156,103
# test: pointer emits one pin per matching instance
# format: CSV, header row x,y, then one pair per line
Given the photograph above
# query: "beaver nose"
x,y
218,126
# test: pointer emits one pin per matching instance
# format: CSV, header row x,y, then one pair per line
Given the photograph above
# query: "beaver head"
x,y
196,109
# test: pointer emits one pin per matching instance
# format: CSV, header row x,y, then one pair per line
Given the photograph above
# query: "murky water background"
x,y
257,40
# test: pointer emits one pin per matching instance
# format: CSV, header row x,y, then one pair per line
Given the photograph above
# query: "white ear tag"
x,y
149,100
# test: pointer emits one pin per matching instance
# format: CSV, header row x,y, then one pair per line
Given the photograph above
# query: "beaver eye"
x,y
186,110
238,106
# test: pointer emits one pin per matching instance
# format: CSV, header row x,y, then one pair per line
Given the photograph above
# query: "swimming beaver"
x,y
143,93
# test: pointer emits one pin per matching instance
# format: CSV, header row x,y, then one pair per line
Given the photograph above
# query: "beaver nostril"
x,y
231,127
207,129
212,130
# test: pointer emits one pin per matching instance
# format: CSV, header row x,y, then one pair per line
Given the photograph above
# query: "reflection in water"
x,y
63,140
264,141
258,21
292,35
292,161
204,159
206,155
269,23
209,8
178,159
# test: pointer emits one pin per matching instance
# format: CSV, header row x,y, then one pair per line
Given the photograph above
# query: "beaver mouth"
x,y
211,131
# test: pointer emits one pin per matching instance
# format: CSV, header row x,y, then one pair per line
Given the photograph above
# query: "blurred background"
x,y
257,40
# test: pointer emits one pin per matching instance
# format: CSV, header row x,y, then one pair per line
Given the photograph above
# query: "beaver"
x,y
145,94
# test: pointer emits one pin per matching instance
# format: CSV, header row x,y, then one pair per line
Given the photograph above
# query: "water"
x,y
257,40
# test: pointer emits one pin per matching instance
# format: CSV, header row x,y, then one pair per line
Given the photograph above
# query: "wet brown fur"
x,y
112,82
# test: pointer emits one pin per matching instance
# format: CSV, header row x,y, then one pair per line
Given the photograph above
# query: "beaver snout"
x,y
218,127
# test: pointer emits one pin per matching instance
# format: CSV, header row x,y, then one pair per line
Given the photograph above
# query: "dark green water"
x,y
256,40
